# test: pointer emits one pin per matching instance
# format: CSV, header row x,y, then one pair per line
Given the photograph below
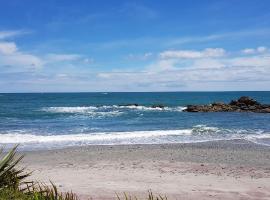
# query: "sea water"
x,y
58,120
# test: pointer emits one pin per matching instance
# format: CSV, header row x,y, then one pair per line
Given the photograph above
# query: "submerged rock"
x,y
243,104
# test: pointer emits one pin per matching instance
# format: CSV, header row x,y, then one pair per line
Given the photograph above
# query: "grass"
x,y
150,196
15,184
10,175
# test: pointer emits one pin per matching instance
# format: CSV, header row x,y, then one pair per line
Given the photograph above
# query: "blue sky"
x,y
65,46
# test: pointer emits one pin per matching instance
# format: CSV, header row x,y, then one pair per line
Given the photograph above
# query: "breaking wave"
x,y
30,138
90,111
198,133
108,109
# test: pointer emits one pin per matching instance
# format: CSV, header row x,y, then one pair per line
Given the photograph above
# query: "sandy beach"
x,y
211,170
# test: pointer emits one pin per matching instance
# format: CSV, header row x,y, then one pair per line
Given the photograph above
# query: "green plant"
x,y
11,194
150,196
10,175
14,186
40,191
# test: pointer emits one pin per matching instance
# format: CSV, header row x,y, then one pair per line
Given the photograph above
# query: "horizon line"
x,y
137,91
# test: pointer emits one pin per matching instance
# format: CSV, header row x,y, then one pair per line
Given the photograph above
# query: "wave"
x,y
13,138
69,109
198,133
108,109
90,110
149,108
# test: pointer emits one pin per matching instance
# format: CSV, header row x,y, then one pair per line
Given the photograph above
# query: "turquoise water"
x,y
57,120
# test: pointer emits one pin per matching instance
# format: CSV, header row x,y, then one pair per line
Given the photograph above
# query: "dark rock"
x,y
265,106
265,110
218,104
252,107
233,103
247,101
191,108
243,104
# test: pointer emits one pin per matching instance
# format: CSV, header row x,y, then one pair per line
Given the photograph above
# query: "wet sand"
x,y
211,170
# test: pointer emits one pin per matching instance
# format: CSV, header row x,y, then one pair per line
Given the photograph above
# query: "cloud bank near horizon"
x,y
168,70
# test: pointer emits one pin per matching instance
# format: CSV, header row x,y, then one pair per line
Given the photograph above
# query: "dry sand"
x,y
212,170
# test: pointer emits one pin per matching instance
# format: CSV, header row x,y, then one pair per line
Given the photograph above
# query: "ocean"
x,y
58,120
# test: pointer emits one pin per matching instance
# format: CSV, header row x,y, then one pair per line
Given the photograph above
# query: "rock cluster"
x,y
243,104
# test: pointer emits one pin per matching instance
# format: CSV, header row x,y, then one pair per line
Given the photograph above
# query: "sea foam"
x,y
92,109
10,138
198,133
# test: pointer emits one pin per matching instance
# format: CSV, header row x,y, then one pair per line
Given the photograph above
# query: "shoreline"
x,y
220,142
212,170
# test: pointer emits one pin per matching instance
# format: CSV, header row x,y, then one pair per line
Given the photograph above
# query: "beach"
x,y
135,99
234,169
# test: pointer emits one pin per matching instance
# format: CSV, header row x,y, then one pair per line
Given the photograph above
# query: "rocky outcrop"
x,y
243,104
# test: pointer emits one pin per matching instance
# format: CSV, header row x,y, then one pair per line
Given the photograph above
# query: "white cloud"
x,y
207,63
88,60
255,61
11,56
62,75
14,59
262,49
248,51
209,72
7,48
22,60
206,69
226,77
210,59
144,56
9,34
188,54
163,65
232,78
169,42
63,57
257,50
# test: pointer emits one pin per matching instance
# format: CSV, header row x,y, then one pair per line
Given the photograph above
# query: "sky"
x,y
134,46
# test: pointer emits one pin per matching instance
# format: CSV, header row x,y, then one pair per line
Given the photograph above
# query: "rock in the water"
x,y
218,103
243,104
265,110
247,101
192,108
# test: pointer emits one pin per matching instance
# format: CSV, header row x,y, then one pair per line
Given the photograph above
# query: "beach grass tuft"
x,y
150,196
14,184
10,175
